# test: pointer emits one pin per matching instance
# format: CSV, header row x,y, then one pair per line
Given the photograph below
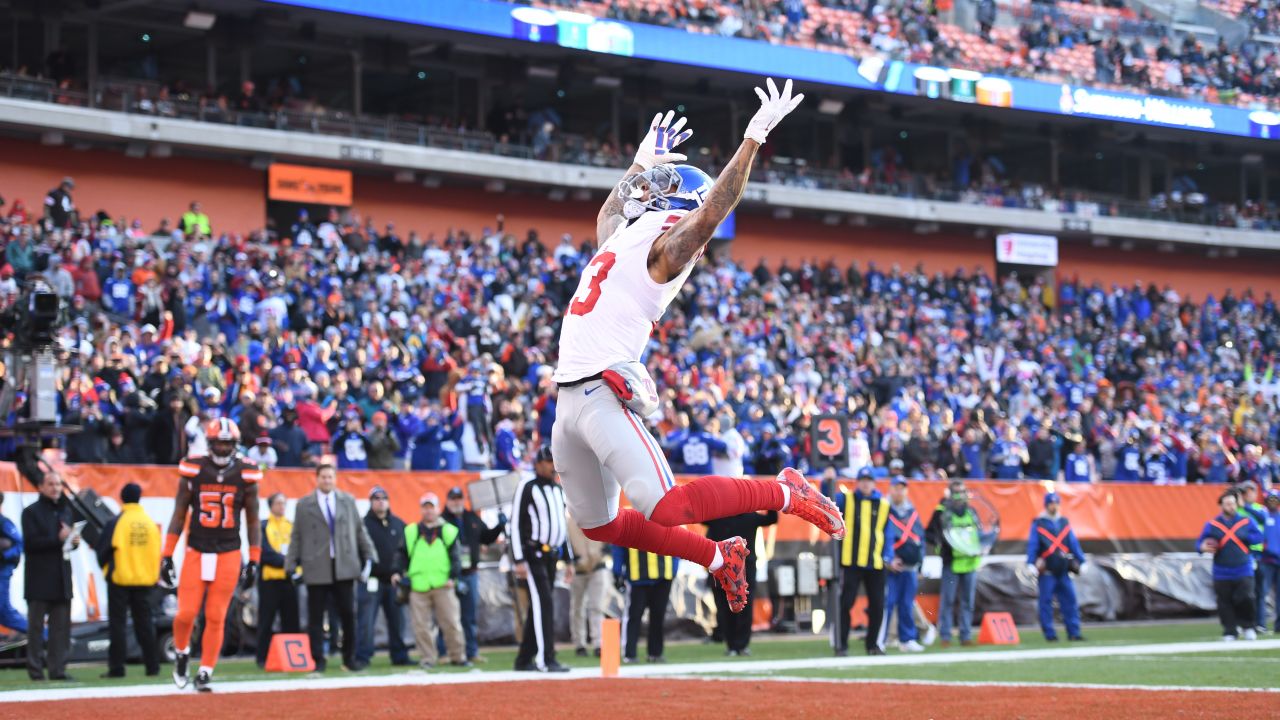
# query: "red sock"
x,y
631,529
712,497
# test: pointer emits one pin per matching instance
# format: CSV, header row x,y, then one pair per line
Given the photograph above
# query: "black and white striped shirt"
x,y
539,520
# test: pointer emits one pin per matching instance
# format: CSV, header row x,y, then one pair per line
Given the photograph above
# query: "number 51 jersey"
x,y
217,496
613,312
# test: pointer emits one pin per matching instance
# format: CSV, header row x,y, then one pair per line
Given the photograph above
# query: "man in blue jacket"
x,y
1269,568
1228,536
1053,553
10,554
908,553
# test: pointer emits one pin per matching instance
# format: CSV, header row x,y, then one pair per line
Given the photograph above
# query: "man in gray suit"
x,y
332,547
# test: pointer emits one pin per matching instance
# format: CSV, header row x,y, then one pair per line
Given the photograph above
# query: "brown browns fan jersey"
x,y
217,497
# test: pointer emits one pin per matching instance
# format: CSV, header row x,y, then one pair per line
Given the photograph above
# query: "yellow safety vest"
x,y
135,545
865,520
278,533
649,570
195,221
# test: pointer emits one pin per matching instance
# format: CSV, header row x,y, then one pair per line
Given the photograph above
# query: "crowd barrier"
x,y
1107,517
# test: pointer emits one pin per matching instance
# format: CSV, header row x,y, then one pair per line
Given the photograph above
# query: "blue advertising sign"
x,y
579,31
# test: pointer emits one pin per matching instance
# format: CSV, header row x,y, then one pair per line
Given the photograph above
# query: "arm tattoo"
x,y
682,243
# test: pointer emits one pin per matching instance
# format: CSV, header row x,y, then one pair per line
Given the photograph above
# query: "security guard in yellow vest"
x,y
277,594
644,579
195,222
865,552
129,553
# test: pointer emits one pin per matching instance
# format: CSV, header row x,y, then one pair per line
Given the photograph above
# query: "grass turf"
x,y
1226,669
1153,670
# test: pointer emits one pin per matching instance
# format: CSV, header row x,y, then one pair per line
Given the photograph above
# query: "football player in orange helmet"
x,y
216,488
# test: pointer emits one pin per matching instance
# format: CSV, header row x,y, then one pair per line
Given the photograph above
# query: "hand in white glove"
x,y
773,107
1032,570
366,571
655,148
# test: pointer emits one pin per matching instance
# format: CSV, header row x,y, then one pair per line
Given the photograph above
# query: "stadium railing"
x,y
786,184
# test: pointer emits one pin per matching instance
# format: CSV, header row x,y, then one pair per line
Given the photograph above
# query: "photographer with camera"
x,y
1054,555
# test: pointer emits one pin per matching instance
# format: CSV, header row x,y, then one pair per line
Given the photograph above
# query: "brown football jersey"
x,y
217,497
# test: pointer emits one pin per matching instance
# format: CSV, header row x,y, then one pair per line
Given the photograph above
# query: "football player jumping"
x,y
653,230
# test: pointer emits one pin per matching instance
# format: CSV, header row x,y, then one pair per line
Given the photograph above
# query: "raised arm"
x,y
664,134
686,240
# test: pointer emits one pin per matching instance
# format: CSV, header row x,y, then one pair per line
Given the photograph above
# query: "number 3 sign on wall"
x,y
829,440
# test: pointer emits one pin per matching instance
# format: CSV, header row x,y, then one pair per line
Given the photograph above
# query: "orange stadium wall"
x,y
233,194
1110,513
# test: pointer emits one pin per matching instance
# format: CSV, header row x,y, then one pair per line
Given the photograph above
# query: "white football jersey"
x,y
617,303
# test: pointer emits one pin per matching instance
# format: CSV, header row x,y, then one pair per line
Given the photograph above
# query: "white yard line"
x,y
683,669
942,658
1004,683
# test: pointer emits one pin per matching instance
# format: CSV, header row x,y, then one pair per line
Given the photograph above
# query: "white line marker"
x,y
943,658
733,670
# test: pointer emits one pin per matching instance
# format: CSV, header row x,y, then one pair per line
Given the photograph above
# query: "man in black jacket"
x,y
387,532
46,527
736,627
472,533
168,438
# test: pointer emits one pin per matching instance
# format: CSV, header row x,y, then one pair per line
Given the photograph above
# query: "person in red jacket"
x,y
314,419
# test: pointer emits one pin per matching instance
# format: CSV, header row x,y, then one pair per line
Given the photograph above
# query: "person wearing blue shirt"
x,y
1228,536
10,554
1269,569
1053,554
1079,465
901,585
1009,455
350,446
1157,464
1221,461
506,445
694,454
426,454
971,451
408,426
117,292
1129,460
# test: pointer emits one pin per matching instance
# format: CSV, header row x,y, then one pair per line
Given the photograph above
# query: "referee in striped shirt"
x,y
539,538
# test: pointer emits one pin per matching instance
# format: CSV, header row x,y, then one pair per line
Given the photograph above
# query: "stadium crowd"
x,y
1129,48
392,350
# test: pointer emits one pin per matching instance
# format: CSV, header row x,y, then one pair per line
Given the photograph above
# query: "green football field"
x,y
1232,666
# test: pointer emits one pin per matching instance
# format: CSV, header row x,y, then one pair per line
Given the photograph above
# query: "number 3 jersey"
x,y
613,312
217,497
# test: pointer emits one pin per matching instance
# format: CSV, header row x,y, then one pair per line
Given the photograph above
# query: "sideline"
x,y
702,671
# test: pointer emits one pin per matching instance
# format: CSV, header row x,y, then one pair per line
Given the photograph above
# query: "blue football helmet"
x,y
671,187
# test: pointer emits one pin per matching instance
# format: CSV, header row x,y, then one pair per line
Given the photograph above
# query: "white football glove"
x,y
655,148
773,107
